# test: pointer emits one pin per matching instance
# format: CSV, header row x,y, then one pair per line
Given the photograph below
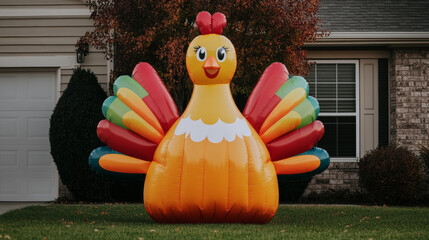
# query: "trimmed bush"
x,y
424,156
73,135
342,196
391,174
291,192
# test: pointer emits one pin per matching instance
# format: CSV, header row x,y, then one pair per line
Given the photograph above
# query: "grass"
x,y
130,221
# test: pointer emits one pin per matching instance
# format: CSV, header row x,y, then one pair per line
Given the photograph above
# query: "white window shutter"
x,y
368,105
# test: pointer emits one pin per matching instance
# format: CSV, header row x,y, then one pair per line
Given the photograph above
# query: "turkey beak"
x,y
211,65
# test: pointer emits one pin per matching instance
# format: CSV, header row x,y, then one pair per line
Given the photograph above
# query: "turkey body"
x,y
211,176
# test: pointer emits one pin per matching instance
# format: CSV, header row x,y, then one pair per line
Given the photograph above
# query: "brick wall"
x,y
339,176
409,97
409,94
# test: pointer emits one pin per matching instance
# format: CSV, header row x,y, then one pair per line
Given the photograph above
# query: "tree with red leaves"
x,y
159,32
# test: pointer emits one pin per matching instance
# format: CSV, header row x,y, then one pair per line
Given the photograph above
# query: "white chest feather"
x,y
215,133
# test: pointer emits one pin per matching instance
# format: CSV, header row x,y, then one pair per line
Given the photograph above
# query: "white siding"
x,y
48,28
40,2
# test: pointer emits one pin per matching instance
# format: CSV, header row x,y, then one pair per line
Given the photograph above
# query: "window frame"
x,y
357,104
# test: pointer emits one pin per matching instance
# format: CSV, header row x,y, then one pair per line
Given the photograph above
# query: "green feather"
x,y
291,84
125,81
307,112
106,104
116,109
315,104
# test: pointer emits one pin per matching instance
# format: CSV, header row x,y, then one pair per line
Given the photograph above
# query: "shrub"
x,y
291,192
73,136
342,196
391,174
424,156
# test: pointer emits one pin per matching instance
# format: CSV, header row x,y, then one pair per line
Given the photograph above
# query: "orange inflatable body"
x,y
211,178
212,164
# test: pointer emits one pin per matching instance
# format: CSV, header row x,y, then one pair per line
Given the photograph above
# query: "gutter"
x,y
390,39
80,11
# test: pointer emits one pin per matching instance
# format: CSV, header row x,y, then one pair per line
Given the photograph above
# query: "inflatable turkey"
x,y
213,163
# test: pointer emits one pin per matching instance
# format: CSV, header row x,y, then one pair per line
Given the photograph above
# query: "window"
x,y
334,83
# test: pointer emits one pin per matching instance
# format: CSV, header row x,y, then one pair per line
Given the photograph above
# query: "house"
x,y
37,55
371,79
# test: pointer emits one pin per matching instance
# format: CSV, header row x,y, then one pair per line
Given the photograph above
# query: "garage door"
x,y
27,172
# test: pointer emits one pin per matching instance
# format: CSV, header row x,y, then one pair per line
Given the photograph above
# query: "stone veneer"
x,y
409,97
339,176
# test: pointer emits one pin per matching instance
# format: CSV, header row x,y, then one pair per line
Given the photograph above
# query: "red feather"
x,y
159,100
125,141
263,98
296,142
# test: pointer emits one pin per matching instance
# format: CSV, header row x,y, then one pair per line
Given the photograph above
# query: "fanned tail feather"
x,y
296,142
283,114
158,99
125,141
120,114
138,116
112,164
131,93
263,98
302,166
302,115
292,93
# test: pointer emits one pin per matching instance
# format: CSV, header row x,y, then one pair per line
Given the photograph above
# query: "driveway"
x,y
9,206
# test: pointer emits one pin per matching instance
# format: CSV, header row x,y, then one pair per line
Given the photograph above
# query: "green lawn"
x,y
130,221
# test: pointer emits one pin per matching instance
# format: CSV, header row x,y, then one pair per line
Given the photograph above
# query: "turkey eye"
x,y
221,54
201,54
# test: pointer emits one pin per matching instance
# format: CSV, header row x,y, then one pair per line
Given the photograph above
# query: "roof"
x,y
375,15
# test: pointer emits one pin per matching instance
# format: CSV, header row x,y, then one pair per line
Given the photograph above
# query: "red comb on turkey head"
x,y
211,24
